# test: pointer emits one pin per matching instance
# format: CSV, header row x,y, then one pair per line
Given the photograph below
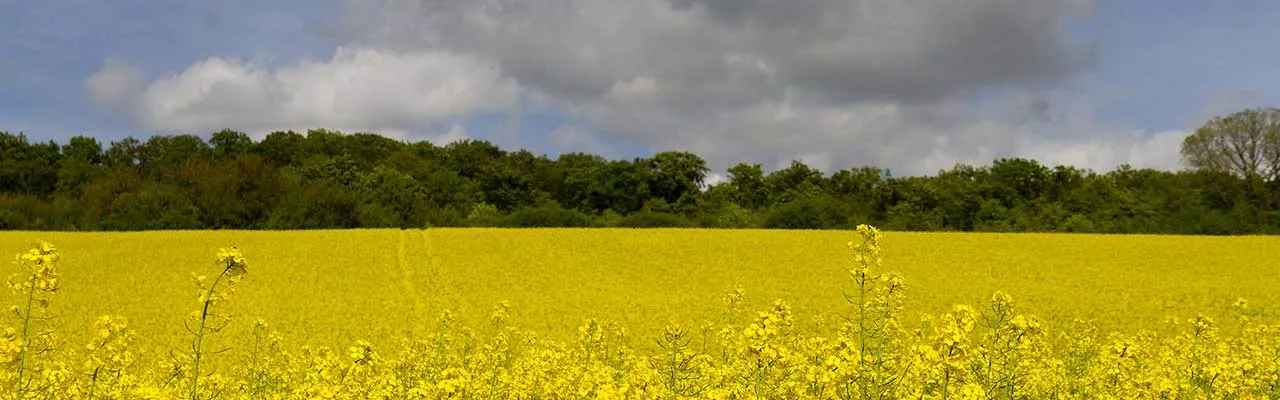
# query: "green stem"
x,y
26,327
946,380
671,366
862,333
94,383
759,380
995,344
1194,340
195,367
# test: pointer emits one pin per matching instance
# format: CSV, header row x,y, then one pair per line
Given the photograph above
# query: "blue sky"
x,y
1175,61
49,48
1158,66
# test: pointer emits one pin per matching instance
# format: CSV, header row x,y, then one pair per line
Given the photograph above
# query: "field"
x,y
332,288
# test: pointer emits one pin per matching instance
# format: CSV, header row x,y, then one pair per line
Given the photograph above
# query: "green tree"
x,y
152,206
1016,181
484,215
227,144
674,174
748,183
83,148
81,164
797,180
368,149
123,153
27,168
328,179
821,212
161,157
233,193
574,174
282,148
393,196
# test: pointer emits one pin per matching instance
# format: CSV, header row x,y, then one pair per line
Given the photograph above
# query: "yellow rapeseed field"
x,y
590,313
330,286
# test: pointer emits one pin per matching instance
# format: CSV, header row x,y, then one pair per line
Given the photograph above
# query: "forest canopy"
x,y
329,179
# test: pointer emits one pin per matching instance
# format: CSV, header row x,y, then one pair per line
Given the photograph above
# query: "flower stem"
x,y
204,314
26,342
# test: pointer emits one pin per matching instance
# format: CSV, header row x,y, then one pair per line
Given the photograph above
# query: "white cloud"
x,y
116,85
1158,150
910,140
713,179
914,86
455,134
359,88
570,138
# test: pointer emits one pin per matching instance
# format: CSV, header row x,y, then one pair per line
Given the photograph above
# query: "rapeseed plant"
x,y
992,351
232,268
37,282
109,357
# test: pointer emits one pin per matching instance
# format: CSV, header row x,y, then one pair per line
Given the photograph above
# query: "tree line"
x,y
329,179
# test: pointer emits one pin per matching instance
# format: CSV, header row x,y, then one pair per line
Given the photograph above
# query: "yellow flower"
x,y
232,260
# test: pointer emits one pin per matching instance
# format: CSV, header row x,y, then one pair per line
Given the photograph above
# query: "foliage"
x,y
324,179
731,216
484,215
332,180
1245,143
807,213
652,219
547,215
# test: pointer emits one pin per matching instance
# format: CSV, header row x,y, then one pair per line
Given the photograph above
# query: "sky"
x,y
911,85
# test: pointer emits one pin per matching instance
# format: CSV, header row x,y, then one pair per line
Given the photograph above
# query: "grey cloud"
x,y
838,83
924,50
836,50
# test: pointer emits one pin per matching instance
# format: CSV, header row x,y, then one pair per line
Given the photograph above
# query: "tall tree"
x,y
83,148
125,152
81,164
28,168
283,147
795,181
748,183
672,174
1245,143
1016,181
576,173
162,156
227,144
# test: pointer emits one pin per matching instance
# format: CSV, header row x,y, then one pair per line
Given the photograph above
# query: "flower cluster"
x,y
39,270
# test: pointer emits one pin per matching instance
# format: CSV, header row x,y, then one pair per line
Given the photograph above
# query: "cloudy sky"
x,y
912,85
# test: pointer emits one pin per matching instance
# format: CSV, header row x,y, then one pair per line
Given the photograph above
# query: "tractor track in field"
x,y
407,275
